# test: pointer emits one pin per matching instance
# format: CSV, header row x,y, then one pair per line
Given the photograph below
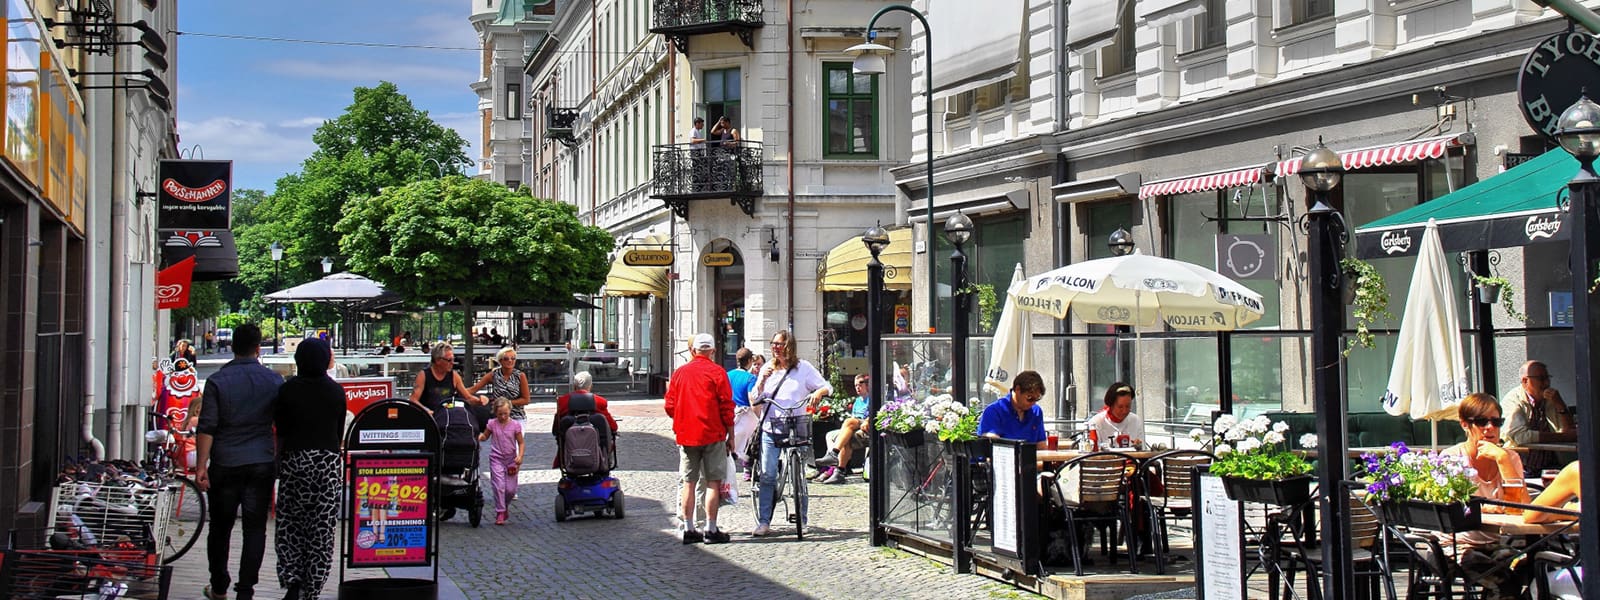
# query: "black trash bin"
x,y
658,385
389,589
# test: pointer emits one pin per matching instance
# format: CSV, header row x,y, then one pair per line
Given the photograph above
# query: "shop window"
x,y
851,101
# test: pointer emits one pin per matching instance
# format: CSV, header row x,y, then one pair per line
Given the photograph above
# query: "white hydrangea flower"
x,y
1280,427
1260,424
1248,445
1197,434
1236,434
1225,423
1308,440
1224,449
1273,437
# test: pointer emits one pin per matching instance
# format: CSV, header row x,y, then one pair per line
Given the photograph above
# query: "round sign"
x,y
859,322
1554,75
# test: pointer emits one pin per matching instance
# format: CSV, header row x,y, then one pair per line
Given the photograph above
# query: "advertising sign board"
x,y
194,194
389,505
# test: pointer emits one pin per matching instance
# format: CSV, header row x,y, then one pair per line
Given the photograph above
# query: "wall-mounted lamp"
x,y
772,244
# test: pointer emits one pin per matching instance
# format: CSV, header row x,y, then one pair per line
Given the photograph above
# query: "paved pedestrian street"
x,y
533,556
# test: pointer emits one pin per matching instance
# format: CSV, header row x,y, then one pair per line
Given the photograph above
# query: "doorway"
x,y
728,306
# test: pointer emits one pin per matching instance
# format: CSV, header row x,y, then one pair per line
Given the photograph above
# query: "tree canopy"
x,y
472,240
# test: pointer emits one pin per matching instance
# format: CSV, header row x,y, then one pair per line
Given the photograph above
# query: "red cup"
x,y
1052,442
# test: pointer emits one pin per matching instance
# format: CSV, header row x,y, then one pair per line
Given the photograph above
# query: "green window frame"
x,y
849,113
723,93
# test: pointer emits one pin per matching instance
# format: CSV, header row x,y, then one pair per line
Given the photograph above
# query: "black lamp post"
x,y
1121,244
277,280
1321,172
958,229
876,239
1579,134
869,60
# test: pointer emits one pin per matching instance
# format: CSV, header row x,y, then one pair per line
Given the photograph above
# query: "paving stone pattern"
x,y
641,557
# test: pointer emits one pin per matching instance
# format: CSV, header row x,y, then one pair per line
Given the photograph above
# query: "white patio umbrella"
x,y
1138,290
1013,343
1429,374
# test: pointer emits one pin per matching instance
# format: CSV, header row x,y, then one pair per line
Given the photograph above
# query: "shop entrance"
x,y
728,307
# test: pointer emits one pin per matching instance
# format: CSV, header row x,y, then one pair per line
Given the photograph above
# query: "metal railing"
x,y
718,170
704,15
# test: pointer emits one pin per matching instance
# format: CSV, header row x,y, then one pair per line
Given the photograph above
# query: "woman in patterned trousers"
x,y
309,415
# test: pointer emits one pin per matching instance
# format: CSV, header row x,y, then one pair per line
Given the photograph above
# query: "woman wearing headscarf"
x,y
309,415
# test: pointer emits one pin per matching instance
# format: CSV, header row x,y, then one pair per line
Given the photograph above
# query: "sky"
x,y
258,102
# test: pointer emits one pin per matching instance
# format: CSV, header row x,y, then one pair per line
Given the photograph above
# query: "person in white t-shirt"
x,y
1117,426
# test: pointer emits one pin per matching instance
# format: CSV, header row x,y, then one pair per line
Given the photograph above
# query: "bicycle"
x,y
185,513
795,448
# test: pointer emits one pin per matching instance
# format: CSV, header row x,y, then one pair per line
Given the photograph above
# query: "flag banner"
x,y
172,285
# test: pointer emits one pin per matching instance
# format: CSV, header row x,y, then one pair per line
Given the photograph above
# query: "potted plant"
x,y
901,422
1492,289
954,423
1368,297
1255,462
988,304
1424,490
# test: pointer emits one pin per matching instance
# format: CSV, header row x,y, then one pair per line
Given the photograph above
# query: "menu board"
x,y
1004,498
390,506
1220,543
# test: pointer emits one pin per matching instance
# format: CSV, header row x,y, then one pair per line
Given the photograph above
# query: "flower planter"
x,y
909,439
979,448
819,434
1454,517
1289,491
1488,294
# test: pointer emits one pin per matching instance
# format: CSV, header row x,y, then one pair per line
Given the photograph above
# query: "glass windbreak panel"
x,y
920,483
1257,370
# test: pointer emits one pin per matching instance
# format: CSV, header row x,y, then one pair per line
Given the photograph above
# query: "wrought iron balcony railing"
x,y
559,123
685,172
679,19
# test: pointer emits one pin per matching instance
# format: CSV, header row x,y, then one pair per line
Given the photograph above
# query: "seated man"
x,y
1017,416
1535,413
849,437
586,401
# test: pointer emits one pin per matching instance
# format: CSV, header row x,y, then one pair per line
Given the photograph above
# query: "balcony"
x,y
558,124
730,170
679,19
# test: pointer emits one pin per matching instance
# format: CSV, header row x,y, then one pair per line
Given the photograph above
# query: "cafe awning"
x,y
1514,208
1202,183
844,269
625,280
1388,154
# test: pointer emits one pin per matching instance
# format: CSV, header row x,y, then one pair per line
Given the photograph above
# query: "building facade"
x,y
748,216
507,34
90,116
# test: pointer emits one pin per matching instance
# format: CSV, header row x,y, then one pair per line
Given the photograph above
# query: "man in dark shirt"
x,y
235,457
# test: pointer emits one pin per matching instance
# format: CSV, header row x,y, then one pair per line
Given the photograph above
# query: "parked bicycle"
x,y
168,469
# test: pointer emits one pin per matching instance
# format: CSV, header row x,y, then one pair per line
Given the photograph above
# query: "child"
x,y
505,456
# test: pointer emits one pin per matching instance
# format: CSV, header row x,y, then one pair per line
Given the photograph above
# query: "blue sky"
x,y
258,102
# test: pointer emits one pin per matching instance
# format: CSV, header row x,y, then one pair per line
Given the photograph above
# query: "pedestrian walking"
x,y
309,414
700,402
504,435
234,459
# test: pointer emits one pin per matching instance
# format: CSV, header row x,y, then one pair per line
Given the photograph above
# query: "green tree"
x,y
205,301
472,240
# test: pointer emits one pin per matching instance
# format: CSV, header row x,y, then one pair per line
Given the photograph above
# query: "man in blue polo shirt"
x,y
1016,416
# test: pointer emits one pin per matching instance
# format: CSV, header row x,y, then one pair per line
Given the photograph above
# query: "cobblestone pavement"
x,y
640,556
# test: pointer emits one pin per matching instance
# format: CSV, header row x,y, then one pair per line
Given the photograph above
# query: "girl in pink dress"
x,y
505,456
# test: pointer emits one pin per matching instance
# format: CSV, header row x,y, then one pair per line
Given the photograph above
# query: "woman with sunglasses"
x,y
1499,476
505,382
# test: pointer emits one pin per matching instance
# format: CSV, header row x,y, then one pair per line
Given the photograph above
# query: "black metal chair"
x,y
1098,486
1169,494
1368,552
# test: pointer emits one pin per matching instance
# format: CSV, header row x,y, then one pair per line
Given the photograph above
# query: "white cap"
x,y
703,341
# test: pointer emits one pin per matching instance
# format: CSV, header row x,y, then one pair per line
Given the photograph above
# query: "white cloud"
x,y
247,141
361,71
448,29
468,124
302,123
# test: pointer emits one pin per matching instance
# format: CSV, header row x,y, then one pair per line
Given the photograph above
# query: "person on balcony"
x,y
697,154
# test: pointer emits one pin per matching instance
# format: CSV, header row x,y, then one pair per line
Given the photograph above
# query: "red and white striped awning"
x,y
1389,154
1201,183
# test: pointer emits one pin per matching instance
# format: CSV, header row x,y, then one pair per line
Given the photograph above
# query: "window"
x,y
851,102
513,101
1104,218
984,98
721,94
1119,57
1311,10
1211,28
992,255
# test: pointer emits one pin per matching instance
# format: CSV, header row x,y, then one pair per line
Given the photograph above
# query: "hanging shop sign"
x,y
1553,75
1247,256
647,258
717,259
194,194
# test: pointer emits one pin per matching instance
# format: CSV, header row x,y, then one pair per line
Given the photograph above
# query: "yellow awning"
x,y
845,267
624,280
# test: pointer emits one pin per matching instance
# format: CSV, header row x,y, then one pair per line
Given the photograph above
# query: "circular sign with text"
x,y
1555,73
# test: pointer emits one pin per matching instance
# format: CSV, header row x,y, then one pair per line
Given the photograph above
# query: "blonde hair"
x,y
789,357
498,356
438,350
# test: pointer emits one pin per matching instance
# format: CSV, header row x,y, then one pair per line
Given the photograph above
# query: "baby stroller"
x,y
458,463
587,458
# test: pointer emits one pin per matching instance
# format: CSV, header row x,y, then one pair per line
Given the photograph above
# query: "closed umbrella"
x,y
1429,374
1013,342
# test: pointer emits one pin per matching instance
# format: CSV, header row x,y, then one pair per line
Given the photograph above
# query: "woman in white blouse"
x,y
791,385
1117,426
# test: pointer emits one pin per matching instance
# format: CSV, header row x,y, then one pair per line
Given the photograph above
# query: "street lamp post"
x,y
1121,244
876,239
869,60
1579,134
1321,171
958,229
277,280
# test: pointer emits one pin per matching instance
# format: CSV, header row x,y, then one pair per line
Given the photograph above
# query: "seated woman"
x,y
1116,425
1499,476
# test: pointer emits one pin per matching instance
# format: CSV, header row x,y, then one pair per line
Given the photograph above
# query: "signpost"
x,y
391,483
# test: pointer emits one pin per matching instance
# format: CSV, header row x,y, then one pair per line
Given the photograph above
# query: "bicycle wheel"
x,y
186,517
797,478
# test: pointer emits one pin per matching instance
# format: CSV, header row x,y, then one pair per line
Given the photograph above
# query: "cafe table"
x,y
1567,448
1064,455
1512,525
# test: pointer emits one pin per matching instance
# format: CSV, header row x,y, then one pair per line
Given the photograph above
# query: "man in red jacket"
x,y
700,402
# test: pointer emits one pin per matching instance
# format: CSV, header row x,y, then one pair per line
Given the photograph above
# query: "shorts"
x,y
858,441
703,463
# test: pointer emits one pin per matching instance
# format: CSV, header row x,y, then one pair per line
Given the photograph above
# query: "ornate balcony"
x,y
731,170
679,19
559,122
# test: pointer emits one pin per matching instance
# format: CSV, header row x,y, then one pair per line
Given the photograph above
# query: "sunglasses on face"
x,y
777,344
1486,421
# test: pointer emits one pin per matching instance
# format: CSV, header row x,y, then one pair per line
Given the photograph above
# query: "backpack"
x,y
581,453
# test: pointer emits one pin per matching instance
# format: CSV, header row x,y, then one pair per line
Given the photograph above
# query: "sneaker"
x,y
831,459
206,593
717,536
836,477
691,536
761,529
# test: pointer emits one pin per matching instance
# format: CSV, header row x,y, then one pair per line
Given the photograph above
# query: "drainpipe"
x,y
672,219
789,52
117,322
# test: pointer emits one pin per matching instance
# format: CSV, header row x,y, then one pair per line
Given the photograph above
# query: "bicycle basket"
x,y
788,432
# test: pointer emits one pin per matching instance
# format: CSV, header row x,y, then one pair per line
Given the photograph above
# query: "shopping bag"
x,y
730,486
745,424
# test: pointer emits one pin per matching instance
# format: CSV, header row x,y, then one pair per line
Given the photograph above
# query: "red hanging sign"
x,y
172,285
